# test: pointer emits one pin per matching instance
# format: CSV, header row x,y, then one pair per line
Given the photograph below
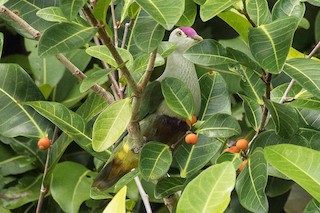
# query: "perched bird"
x,y
163,125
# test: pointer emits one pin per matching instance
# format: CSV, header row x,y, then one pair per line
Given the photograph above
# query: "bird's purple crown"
x,y
189,31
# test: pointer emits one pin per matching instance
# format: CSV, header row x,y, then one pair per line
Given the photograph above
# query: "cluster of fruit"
x,y
191,138
241,146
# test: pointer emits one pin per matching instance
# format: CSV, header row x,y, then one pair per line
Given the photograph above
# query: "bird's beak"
x,y
197,38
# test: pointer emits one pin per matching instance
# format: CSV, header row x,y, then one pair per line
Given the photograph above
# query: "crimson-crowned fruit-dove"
x,y
163,125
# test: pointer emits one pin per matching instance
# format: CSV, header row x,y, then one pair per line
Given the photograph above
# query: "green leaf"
x,y
178,97
208,52
215,95
270,43
64,37
46,71
237,21
69,122
16,86
1,44
166,48
284,117
211,8
284,8
168,186
220,125
71,8
26,191
210,191
251,183
312,207
231,157
146,34
102,52
253,112
299,163
258,11
311,117
100,10
277,186
94,77
118,202
53,14
244,58
155,160
304,71
191,158
252,85
70,185
110,124
166,13
17,165
189,15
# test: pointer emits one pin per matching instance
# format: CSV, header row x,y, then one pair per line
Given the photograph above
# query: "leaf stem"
x,y
125,34
285,94
265,109
44,189
143,194
115,25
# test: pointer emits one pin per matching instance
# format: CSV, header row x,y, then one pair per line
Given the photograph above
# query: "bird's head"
x,y
184,37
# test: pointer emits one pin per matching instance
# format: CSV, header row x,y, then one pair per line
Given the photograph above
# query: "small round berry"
x,y
234,149
242,144
191,138
243,164
44,143
193,120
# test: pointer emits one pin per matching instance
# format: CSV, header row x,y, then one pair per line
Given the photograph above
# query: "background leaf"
x,y
215,95
220,125
251,183
164,12
210,191
110,124
191,158
304,72
189,15
168,186
288,8
298,163
253,112
258,11
284,117
211,8
70,185
178,97
64,37
155,160
270,43
118,202
71,8
16,86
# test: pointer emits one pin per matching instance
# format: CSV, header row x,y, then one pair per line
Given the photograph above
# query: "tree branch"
x,y
143,194
108,43
265,109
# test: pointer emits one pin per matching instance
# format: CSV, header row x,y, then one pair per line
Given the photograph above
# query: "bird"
x,y
162,124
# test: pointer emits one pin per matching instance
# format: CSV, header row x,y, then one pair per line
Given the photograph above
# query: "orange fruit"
x,y
193,120
191,138
234,149
243,164
44,143
242,144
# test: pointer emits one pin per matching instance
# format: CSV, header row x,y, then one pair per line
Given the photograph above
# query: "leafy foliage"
x,y
103,94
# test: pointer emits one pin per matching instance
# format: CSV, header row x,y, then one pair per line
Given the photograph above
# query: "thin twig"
x,y
265,109
285,94
115,26
148,73
44,189
80,75
108,43
143,194
35,33
125,33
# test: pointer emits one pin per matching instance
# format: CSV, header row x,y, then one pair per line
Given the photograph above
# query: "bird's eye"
x,y
179,33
